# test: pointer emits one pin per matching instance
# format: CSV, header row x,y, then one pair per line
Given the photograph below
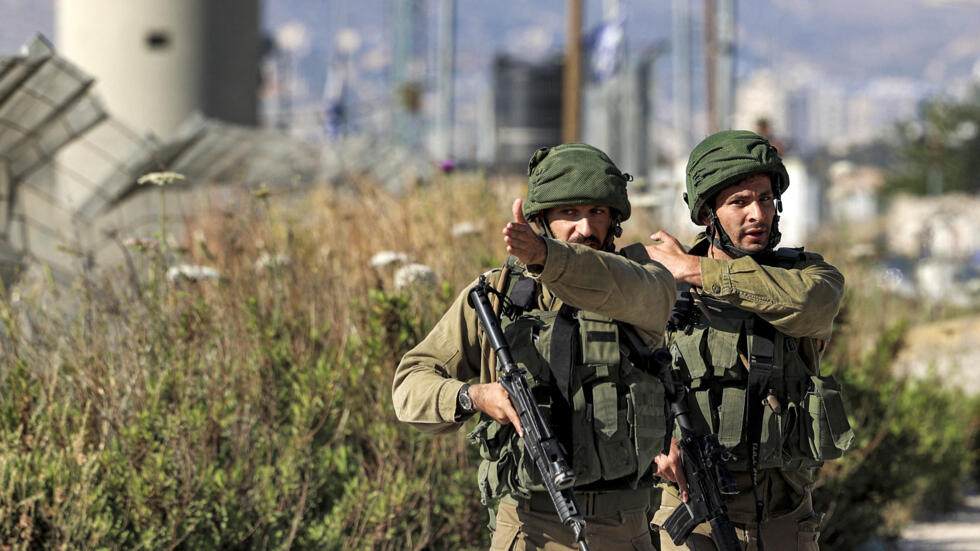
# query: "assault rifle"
x,y
539,441
708,481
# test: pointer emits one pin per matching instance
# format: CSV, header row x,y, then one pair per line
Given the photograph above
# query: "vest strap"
x,y
762,351
563,346
523,292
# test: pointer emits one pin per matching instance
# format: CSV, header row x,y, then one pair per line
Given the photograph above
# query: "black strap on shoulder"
x,y
636,252
761,359
564,343
523,292
783,257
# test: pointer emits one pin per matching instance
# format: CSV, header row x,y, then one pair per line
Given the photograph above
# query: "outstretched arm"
x,y
638,293
801,301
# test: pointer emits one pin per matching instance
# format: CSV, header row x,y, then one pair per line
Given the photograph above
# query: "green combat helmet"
x,y
726,158
576,174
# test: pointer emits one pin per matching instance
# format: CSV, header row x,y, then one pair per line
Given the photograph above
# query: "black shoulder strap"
x,y
784,257
564,343
637,252
762,352
523,292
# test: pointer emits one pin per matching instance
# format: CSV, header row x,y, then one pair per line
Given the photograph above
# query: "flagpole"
x,y
572,75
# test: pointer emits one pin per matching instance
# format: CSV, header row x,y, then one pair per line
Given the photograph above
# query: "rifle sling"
x,y
497,303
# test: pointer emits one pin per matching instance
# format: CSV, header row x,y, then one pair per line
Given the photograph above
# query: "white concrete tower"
x,y
158,61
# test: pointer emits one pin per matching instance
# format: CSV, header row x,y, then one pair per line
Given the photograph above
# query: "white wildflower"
x,y
414,275
191,272
462,229
271,261
387,258
160,178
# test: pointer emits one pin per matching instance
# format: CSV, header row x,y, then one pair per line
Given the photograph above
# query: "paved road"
x,y
958,531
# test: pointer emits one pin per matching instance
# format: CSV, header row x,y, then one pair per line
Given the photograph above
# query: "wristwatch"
x,y
463,400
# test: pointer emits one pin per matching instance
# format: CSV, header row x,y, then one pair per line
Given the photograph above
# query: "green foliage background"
x,y
254,411
940,151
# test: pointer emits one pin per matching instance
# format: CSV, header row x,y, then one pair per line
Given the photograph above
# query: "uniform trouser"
x,y
796,530
521,527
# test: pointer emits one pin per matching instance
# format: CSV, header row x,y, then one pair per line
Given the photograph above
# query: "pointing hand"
x,y
522,241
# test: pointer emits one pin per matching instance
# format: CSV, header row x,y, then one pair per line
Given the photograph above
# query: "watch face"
x,y
464,398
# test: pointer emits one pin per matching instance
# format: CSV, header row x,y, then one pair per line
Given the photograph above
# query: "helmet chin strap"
x,y
615,231
721,240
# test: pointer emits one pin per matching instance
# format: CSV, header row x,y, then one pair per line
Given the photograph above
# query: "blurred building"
x,y
853,193
157,62
941,234
945,227
802,205
526,108
874,108
808,112
817,115
762,96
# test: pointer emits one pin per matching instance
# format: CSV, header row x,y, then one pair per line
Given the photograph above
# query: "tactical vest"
x,y
613,422
803,417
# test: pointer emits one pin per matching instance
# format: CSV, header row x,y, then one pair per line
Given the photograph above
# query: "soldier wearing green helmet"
x,y
574,297
746,337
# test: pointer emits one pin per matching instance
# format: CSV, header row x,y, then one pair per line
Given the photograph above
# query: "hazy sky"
x,y
928,40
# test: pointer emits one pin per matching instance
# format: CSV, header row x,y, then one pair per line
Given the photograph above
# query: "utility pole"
x,y
407,69
572,75
447,62
681,52
640,151
711,65
725,79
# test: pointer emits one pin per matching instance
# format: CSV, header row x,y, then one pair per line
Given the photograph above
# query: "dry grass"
x,y
254,411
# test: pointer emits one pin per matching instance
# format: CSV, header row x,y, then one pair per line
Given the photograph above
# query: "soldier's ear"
x,y
538,220
704,216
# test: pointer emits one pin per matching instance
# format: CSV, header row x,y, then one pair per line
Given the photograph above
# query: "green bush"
x,y
254,411
250,412
914,448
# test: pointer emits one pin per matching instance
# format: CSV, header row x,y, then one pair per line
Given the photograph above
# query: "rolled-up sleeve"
x,y
429,376
801,301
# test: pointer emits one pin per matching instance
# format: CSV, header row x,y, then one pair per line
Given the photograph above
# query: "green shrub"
x,y
914,447
254,411
250,412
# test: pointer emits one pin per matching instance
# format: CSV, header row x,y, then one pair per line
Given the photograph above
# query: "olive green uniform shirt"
x,y
430,375
801,302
